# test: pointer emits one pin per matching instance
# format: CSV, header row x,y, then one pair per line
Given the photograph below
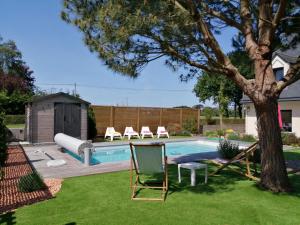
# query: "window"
x,y
286,116
278,72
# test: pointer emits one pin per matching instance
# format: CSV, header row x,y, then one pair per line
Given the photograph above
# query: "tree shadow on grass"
x,y
295,182
8,218
222,182
292,155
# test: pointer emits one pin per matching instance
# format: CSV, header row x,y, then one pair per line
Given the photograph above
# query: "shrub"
x,y
190,125
290,139
210,134
92,130
3,144
248,138
221,133
14,119
181,133
208,114
233,136
174,128
228,150
31,182
229,131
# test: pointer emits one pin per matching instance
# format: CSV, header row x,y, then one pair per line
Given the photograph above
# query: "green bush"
x,y
233,136
290,139
228,150
221,132
31,182
248,138
190,125
14,119
92,130
210,134
3,144
181,133
208,114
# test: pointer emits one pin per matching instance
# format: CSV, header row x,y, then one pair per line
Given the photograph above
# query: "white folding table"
x,y
193,166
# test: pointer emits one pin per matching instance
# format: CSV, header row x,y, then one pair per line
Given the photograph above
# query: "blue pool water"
x,y
121,153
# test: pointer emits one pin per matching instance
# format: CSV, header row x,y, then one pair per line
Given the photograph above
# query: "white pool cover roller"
x,y
75,145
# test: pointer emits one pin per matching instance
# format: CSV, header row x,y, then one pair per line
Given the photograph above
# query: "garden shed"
x,y
56,113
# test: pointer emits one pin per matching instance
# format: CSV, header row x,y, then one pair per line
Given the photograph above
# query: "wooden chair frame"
x,y
242,157
137,184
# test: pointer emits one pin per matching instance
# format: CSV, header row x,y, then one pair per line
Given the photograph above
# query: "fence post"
x,y
160,116
138,120
111,119
198,120
181,118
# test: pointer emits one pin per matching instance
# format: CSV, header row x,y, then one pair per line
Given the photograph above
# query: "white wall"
x,y
278,63
251,122
250,119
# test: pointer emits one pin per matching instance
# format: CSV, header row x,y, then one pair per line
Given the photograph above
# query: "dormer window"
x,y
278,72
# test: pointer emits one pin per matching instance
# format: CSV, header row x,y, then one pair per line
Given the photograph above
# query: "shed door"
x,y
68,119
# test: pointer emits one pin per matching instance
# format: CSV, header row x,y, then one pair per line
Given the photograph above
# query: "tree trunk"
x,y
273,175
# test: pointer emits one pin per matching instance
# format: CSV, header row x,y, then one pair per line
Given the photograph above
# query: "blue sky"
x,y
56,53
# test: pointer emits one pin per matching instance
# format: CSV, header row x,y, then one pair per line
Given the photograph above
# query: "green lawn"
x,y
104,199
292,154
15,125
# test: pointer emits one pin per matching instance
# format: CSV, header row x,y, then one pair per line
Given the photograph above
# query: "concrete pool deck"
x,y
74,167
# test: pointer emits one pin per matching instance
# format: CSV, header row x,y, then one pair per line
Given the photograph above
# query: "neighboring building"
x,y
289,100
56,113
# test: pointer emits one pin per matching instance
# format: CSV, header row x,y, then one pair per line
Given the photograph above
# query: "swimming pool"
x,y
121,153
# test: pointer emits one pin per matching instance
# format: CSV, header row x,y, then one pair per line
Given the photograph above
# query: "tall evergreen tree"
x,y
208,84
127,35
16,80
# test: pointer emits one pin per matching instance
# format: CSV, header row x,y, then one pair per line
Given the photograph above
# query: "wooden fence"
x,y
120,117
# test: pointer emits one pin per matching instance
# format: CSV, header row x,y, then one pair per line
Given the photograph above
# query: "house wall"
x,y
41,120
251,122
278,63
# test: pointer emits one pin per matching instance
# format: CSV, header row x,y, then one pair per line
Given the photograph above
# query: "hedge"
x,y
14,119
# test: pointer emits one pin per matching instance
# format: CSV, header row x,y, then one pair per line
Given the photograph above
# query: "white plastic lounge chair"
x,y
161,131
145,132
110,132
129,132
148,161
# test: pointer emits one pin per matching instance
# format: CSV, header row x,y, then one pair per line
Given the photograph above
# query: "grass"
x,y
15,125
292,154
104,199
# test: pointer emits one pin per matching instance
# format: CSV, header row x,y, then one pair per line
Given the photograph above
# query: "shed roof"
x,y
62,94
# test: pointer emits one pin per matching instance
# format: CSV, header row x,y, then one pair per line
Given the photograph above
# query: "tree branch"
x,y
293,74
222,17
251,45
210,40
279,14
265,26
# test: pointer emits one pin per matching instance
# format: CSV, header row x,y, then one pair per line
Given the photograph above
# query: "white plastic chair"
x,y
161,131
146,132
111,133
129,132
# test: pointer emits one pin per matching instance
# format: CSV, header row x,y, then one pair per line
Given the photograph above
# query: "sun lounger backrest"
x,y
145,129
128,130
110,130
149,158
161,129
